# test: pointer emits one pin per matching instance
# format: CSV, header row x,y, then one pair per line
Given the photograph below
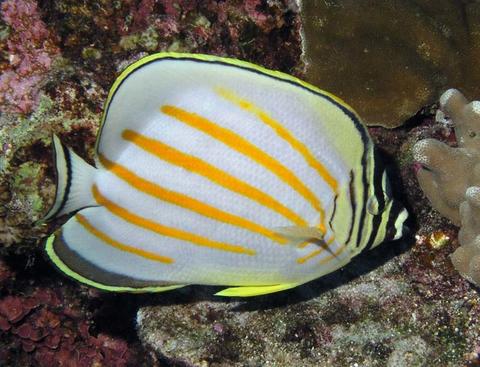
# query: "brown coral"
x,y
365,55
450,178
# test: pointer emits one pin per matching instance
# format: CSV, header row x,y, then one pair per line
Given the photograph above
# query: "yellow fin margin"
x,y
65,269
213,59
248,291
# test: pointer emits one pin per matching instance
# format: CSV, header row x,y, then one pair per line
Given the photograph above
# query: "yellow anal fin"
x,y
153,289
124,286
248,291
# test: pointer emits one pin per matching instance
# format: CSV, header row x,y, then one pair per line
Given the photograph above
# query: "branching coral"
x,y
467,258
450,177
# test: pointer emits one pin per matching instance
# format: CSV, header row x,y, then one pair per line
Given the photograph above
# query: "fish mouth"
x,y
406,231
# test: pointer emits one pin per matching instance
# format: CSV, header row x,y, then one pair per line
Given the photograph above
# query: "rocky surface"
x,y
402,305
381,318
391,59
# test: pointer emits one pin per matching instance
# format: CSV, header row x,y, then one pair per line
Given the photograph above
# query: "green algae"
x,y
19,131
147,40
26,182
176,46
91,53
202,21
4,32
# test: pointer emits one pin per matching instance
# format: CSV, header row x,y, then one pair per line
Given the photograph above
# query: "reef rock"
x,y
400,314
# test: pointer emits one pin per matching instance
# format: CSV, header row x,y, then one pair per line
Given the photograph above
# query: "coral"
x,y
466,258
355,316
449,177
385,73
445,172
49,326
256,31
44,327
31,49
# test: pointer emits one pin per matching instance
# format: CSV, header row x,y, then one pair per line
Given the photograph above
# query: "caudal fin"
x,y
74,180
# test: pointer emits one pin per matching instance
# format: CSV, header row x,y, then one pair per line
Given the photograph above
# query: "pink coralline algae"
x,y
31,48
47,328
259,17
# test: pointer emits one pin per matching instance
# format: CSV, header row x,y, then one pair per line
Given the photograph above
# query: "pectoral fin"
x,y
248,291
300,235
297,233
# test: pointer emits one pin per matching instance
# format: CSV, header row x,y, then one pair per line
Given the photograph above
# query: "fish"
x,y
215,171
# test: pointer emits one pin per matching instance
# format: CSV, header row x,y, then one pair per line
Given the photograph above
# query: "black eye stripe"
x,y
353,204
378,174
393,215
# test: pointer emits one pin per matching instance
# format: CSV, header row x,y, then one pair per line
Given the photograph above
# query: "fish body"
x,y
216,171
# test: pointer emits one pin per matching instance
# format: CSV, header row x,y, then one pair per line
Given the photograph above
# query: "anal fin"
x,y
54,243
250,291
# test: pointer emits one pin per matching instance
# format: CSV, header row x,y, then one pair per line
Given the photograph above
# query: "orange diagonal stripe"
x,y
118,245
200,167
185,201
331,257
314,253
164,230
243,146
283,133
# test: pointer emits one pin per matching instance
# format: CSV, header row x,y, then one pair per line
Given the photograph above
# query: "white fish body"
x,y
216,171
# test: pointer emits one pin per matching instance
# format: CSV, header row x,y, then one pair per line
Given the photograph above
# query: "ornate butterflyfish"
x,y
215,171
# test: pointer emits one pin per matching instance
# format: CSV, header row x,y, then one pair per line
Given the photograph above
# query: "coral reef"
x,y
449,176
112,34
385,72
45,327
31,50
356,315
466,258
